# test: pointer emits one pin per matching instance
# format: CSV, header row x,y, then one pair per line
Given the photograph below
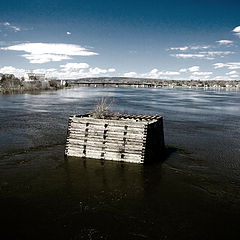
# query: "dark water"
x,y
193,194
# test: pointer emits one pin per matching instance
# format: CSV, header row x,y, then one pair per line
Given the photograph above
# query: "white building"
x,y
28,77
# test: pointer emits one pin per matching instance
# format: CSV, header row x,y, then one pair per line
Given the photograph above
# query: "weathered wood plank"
x,y
115,148
99,149
104,142
106,156
128,140
108,133
108,121
119,123
75,126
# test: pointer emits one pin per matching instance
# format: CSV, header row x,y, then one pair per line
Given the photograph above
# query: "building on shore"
x,y
30,76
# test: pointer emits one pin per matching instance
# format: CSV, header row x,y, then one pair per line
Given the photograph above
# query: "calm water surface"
x,y
193,194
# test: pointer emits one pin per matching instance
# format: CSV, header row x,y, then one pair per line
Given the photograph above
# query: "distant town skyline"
x,y
146,38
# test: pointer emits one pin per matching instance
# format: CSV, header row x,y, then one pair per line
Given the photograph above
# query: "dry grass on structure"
x,y
103,109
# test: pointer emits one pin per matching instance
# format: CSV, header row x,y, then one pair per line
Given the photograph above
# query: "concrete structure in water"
x,y
128,138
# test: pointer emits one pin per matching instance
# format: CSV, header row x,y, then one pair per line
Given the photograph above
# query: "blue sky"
x,y
145,38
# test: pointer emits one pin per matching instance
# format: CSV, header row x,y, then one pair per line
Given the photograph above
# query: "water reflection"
x,y
114,193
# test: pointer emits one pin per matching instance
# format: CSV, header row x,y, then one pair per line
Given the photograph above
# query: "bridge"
x,y
123,83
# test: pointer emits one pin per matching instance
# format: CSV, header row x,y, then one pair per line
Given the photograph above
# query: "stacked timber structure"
x,y
128,138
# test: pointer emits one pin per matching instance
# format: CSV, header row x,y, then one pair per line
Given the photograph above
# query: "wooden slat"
x,y
105,151
102,124
109,132
105,142
112,122
114,147
108,139
80,127
108,135
81,148
119,149
106,156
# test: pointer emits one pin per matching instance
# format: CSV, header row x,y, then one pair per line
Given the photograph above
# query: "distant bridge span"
x,y
112,84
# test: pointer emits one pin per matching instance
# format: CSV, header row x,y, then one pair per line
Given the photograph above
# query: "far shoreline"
x,y
154,83
12,85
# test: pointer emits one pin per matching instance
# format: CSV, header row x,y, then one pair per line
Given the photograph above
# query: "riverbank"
x,y
22,90
33,86
153,83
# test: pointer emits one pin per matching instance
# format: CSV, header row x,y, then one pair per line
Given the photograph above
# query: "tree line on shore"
x,y
160,82
9,83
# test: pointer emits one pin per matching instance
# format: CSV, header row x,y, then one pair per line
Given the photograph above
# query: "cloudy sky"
x,y
167,39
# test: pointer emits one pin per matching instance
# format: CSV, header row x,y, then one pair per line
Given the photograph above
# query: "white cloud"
x,y
97,70
169,73
196,77
232,73
180,48
198,47
221,78
202,73
185,48
8,25
69,66
190,69
209,55
75,71
130,74
229,65
194,69
220,65
47,52
183,70
44,58
19,72
46,71
190,55
81,73
217,53
234,76
236,30
69,33
155,73
51,48
12,70
224,42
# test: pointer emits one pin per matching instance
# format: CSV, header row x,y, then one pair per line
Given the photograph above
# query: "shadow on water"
x,y
81,199
165,153
94,199
112,196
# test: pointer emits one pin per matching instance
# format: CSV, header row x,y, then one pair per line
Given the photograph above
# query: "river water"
x,y
193,194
